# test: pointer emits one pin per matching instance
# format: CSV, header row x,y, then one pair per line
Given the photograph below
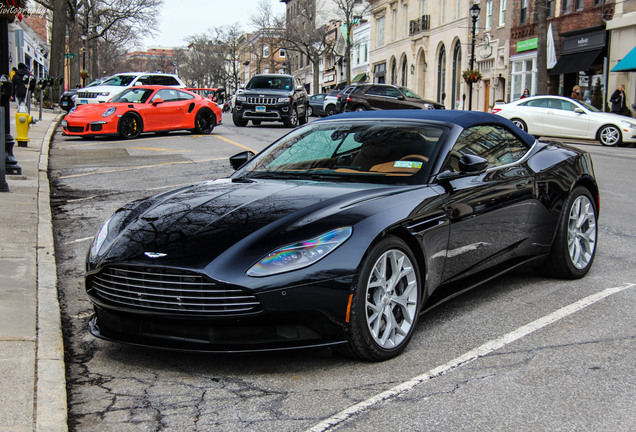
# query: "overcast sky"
x,y
182,18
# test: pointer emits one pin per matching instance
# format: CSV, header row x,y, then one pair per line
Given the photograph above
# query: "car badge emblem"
x,y
155,254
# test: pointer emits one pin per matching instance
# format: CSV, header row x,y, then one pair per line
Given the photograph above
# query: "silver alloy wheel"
x,y
520,124
581,232
610,136
391,299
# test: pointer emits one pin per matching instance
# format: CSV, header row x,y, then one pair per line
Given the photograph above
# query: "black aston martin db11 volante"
x,y
341,233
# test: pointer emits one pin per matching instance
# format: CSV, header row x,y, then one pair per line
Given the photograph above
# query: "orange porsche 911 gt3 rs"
x,y
144,109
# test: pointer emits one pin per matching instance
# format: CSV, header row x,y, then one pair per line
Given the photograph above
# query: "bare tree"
x,y
541,18
350,12
269,30
302,36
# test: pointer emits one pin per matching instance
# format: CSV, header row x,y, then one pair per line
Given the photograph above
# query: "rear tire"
x,y
204,122
574,246
310,111
330,110
520,124
385,303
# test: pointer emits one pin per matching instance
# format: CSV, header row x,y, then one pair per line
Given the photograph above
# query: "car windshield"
x,y
119,80
589,107
133,95
274,83
386,153
409,93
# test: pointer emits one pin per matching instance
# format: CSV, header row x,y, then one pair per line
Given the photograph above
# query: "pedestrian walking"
x,y
576,93
618,100
19,91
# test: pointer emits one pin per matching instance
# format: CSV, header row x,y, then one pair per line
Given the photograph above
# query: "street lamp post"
x,y
474,14
84,37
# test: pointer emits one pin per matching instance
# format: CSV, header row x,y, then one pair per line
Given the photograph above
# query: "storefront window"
x,y
523,75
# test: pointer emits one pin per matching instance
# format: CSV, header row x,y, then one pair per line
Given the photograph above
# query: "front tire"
x,y
292,121
386,302
574,247
130,125
204,122
310,111
609,136
238,121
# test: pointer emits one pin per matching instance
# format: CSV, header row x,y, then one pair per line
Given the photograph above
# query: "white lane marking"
x,y
466,358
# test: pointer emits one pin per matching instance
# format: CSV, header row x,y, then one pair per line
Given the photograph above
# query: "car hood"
x,y
611,118
91,110
198,223
112,90
274,92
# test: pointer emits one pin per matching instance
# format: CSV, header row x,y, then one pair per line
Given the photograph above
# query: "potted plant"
x,y
471,76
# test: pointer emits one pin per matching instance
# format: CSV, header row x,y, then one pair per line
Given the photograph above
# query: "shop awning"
x,y
627,64
359,78
578,62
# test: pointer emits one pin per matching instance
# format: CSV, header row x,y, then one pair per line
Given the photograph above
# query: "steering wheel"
x,y
415,157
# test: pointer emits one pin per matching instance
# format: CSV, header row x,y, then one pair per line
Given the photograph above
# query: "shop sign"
x,y
527,45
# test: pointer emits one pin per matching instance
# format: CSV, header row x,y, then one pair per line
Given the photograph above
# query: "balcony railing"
x,y
421,24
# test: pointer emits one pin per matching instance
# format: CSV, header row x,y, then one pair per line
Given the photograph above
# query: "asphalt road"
x,y
521,353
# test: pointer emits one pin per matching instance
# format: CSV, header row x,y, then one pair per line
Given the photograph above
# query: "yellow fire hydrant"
x,y
22,122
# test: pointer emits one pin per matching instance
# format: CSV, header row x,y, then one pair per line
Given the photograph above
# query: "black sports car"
x,y
341,233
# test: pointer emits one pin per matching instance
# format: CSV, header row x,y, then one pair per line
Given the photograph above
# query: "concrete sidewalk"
x,y
32,376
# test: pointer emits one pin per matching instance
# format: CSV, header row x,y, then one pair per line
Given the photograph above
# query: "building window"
x,y
488,14
394,24
523,13
441,75
281,53
405,69
550,8
457,75
379,41
502,12
566,6
406,20
442,18
393,72
265,50
578,5
523,76
422,7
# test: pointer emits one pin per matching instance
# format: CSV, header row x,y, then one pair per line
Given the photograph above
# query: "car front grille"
x,y
87,95
261,100
75,128
168,290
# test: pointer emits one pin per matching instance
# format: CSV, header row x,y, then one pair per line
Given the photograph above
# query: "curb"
x,y
51,412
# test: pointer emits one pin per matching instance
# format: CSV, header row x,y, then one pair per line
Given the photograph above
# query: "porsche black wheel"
x,y
204,122
574,247
386,302
130,125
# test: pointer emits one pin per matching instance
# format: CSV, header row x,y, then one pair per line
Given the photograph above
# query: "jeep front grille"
x,y
261,100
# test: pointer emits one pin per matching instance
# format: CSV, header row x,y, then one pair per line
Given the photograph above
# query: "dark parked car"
x,y
315,105
341,98
341,233
385,97
271,97
67,100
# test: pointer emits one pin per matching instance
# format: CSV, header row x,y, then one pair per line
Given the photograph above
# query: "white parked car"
x,y
120,82
558,116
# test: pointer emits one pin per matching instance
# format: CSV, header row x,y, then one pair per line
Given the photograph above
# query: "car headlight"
x,y
627,124
429,106
109,111
241,98
283,100
299,255
104,93
99,239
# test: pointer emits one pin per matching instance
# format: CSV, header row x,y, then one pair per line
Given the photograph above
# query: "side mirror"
x,y
400,97
157,101
240,159
579,110
470,164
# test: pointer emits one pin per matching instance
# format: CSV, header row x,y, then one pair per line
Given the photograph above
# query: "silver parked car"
x,y
558,116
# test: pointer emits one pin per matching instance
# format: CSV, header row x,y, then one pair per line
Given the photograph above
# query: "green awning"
x,y
627,64
359,77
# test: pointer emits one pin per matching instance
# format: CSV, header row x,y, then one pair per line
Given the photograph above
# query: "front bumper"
x,y
89,128
278,112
